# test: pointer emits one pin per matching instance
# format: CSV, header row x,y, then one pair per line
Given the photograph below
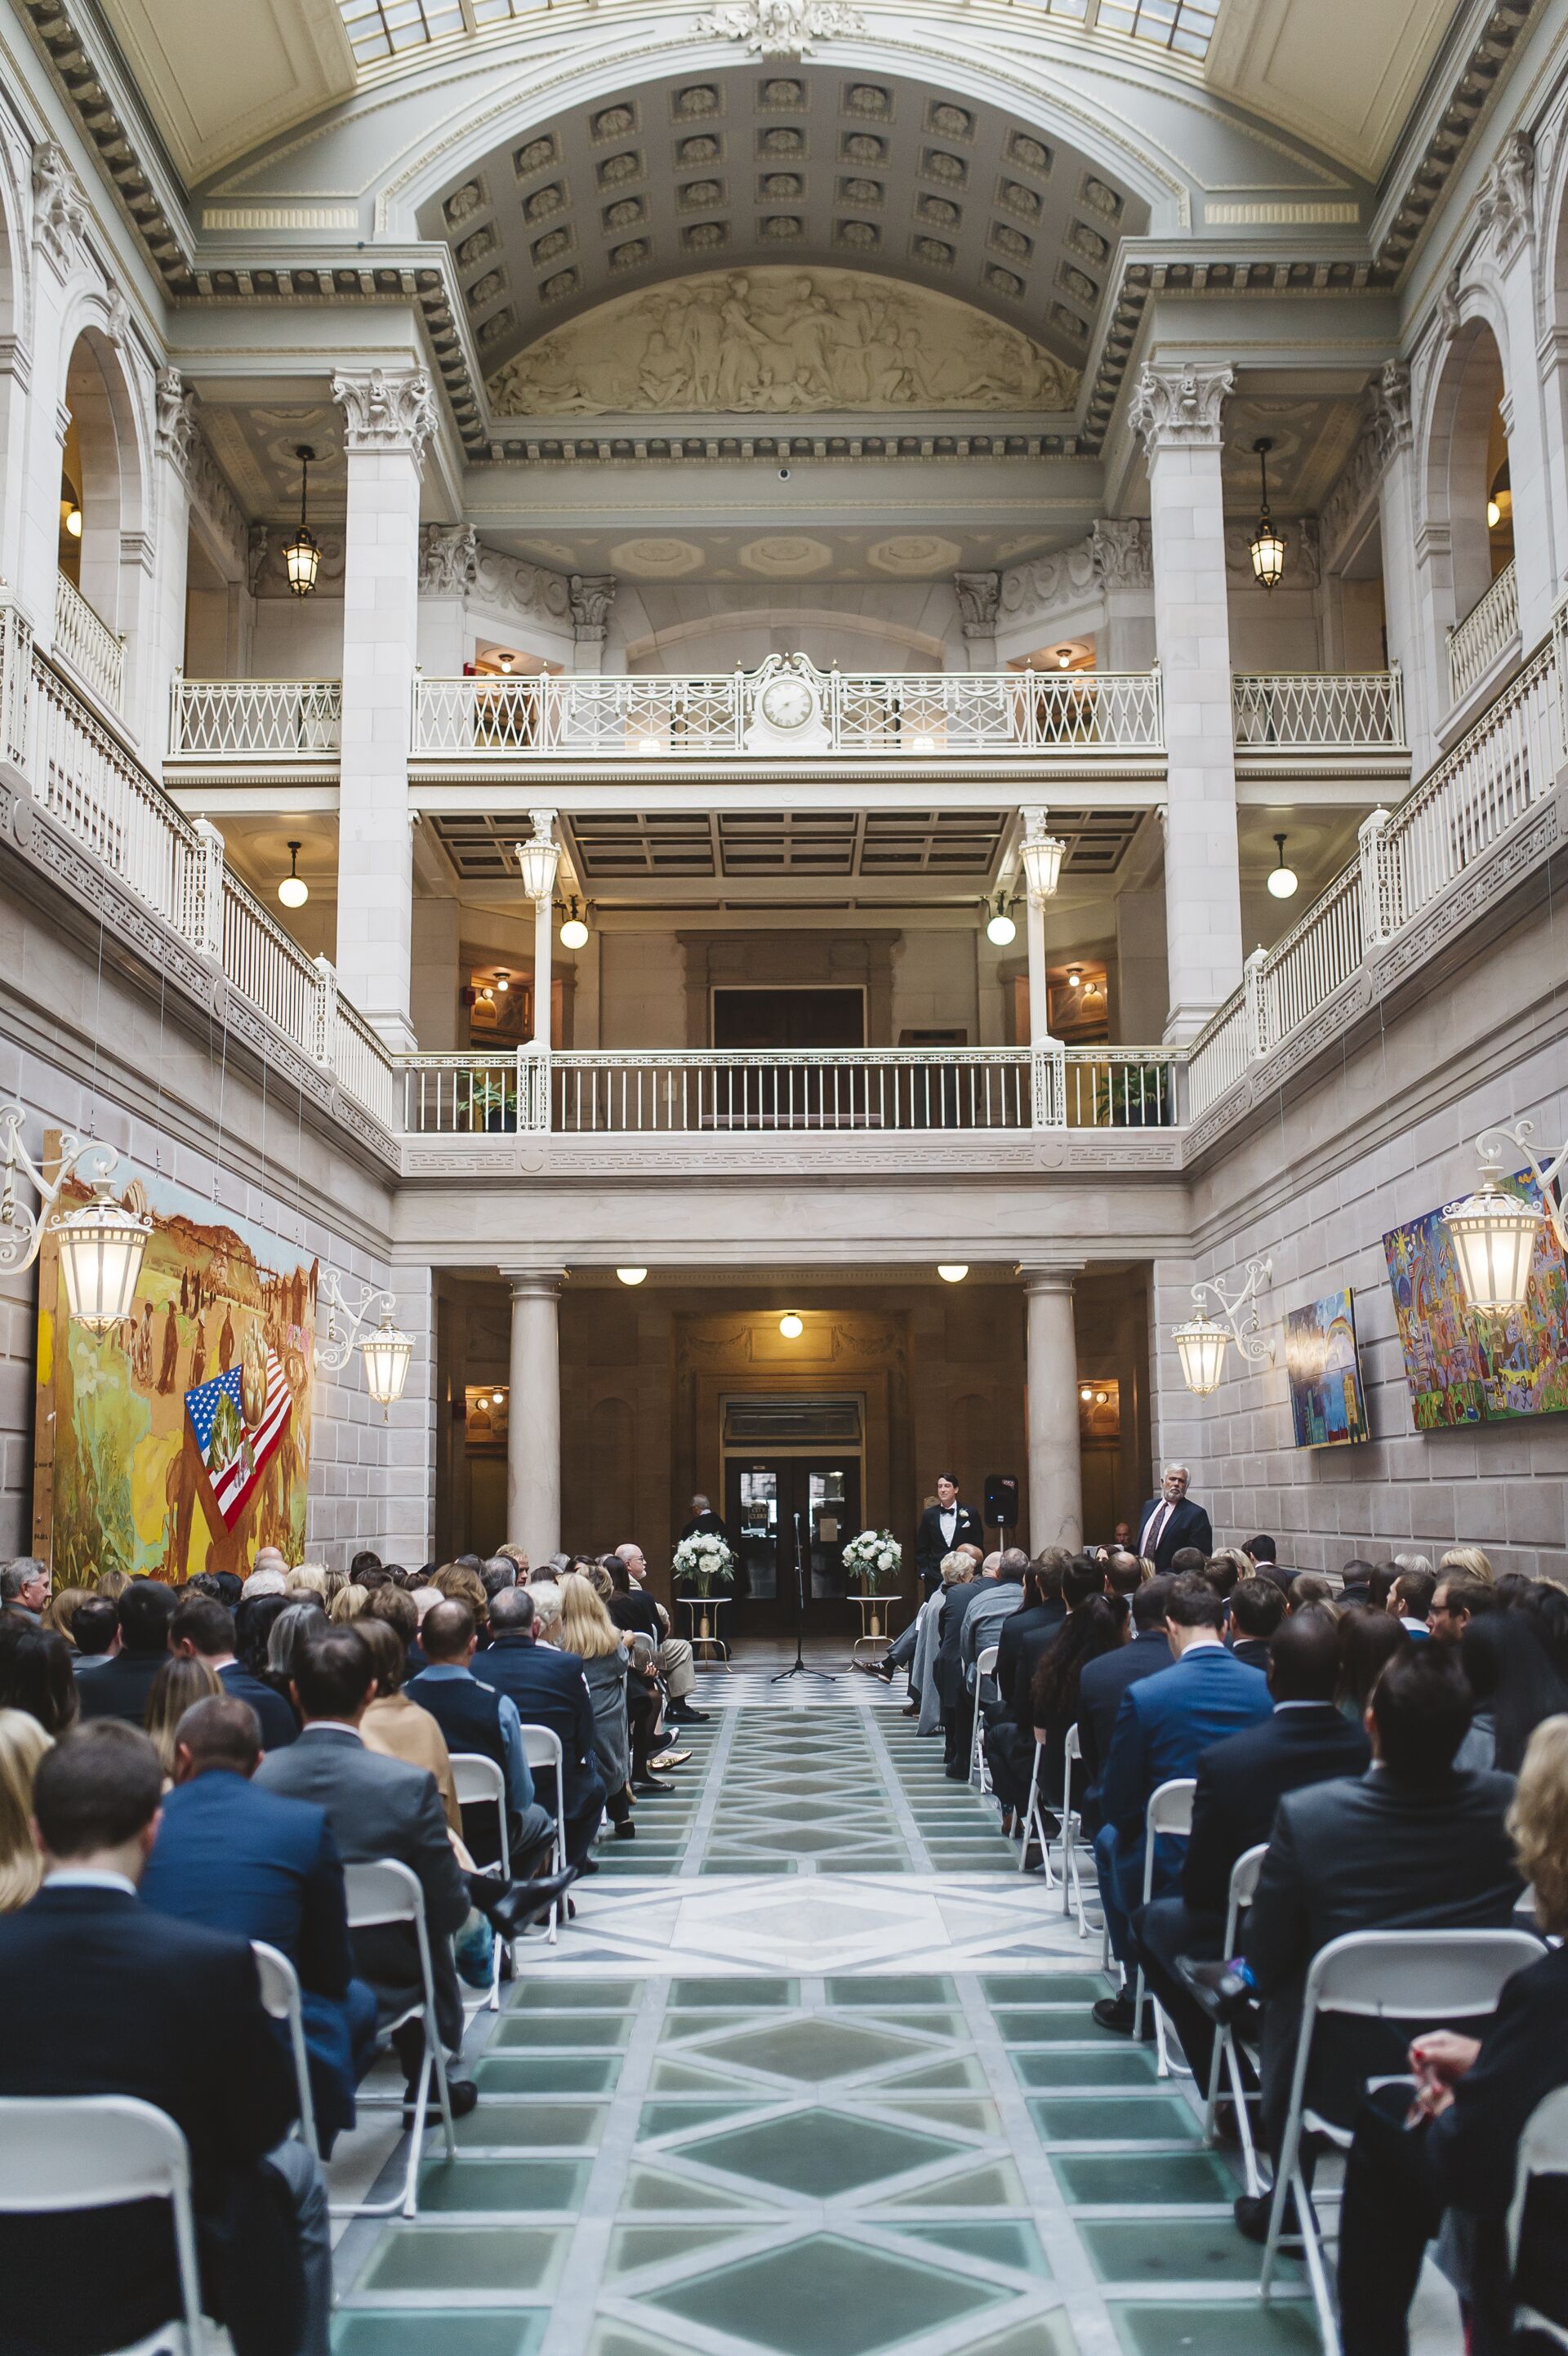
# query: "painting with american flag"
x,y
238,1419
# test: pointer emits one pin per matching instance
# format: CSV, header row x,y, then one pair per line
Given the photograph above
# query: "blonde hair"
x,y
178,1684
458,1584
348,1604
1236,1560
587,1628
309,1579
22,1743
513,1554
1538,1821
61,1609
111,1584
958,1569
1470,1563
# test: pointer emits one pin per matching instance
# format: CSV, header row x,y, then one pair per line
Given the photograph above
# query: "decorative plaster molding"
x,y
1115,556
1122,554
514,585
386,413
1385,432
1504,207
448,555
978,602
593,595
60,209
781,30
1177,406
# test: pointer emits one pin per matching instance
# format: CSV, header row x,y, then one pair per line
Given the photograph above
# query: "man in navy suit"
x,y
238,1858
1172,1521
203,1630
1104,1681
1162,1728
549,1689
104,1996
120,1688
1240,1782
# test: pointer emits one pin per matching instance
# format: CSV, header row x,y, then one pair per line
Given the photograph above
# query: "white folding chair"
x,y
1412,1976
478,1783
1169,1813
541,1747
1543,2151
280,1995
1073,1837
985,1667
62,2153
1227,2051
379,1895
1034,1827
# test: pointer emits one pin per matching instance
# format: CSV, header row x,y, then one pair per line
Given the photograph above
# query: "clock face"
x,y
787,703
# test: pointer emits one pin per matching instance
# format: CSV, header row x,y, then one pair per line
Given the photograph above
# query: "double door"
x,y
791,1517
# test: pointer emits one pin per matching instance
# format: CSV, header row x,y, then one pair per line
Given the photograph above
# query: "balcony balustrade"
x,y
255,719
86,643
1488,632
1318,712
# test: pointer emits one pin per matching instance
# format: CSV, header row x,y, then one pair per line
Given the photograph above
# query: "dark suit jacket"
x,y
383,1808
1100,1688
1020,1641
242,1859
279,1725
1252,1652
1378,1853
930,1546
104,1996
1189,1526
120,1688
710,1526
955,1605
1162,1728
1241,1781
550,1689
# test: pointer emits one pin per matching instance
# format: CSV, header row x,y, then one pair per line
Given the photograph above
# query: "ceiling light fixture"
x,y
1064,658
302,554
504,662
1283,880
1494,516
294,891
923,744
574,931
647,743
1268,541
1000,929
1084,1393
631,1275
792,1326
952,1271
1074,978
503,979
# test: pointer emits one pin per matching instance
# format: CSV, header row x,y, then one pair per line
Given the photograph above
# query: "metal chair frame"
x,y
985,1667
1169,1812
1228,2048
1033,1827
541,1748
478,1780
280,1995
1543,2151
379,1894
1072,1839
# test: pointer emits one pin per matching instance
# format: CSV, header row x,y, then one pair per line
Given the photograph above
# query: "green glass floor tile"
x,y
633,2247
1109,2065
741,1994
661,2188
819,2152
1043,2335
1039,2025
1044,1986
620,2340
951,2111
1239,2328
1173,2249
995,2184
826,2298
712,1864
893,1987
865,1860
535,1993
543,2031
1004,2244
928,2024
1089,2179
545,2073
809,2050
553,2126
471,2332
951,2075
523,2186
467,2257
673,2074
1086,2118
669,2118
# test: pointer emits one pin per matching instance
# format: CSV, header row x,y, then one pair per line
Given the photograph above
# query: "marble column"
x,y
1056,1480
388,419
534,1424
1177,412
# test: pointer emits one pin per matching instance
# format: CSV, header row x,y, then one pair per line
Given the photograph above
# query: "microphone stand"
x,y
798,1667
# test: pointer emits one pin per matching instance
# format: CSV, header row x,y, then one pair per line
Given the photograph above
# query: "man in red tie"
x,y
1171,1520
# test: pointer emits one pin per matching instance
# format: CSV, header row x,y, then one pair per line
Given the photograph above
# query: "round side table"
x,y
706,1643
876,1620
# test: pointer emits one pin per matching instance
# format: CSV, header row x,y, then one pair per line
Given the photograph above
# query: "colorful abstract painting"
x,y
181,1440
1327,1404
1463,1369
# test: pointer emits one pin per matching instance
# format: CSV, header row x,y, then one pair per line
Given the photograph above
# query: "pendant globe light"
x,y
294,891
302,555
1268,541
1283,880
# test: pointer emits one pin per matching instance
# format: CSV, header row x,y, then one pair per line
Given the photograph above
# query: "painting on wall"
x,y
1462,1368
179,1441
1326,1401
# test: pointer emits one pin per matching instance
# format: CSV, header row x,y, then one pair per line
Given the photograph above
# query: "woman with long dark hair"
x,y
1023,1636
1093,1625
1515,1685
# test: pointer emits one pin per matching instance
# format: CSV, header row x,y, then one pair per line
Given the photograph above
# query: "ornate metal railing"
x,y
256,719
1487,632
1330,711
89,645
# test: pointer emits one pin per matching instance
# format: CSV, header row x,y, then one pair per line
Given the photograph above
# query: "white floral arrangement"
x,y
703,1560
874,1556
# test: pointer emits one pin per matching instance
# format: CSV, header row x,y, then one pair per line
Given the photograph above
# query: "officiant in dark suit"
x,y
705,1522
1171,1520
944,1525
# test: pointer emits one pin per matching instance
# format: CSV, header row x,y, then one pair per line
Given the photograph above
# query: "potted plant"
x,y
875,1558
702,1562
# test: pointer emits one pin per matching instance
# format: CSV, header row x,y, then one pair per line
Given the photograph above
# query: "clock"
x,y
787,702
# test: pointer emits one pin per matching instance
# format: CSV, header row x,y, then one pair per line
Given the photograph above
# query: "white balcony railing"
x,y
1488,631
255,719
89,645
789,707
1330,711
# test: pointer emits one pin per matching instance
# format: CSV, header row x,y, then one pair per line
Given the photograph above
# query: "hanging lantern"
x,y
1200,1345
302,554
539,857
1268,541
386,1352
1043,855
1494,1237
101,1250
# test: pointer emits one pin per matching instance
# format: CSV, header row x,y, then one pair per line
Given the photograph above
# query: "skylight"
x,y
384,29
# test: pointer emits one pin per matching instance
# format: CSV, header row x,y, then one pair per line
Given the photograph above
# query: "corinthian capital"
x,y
1177,403
384,412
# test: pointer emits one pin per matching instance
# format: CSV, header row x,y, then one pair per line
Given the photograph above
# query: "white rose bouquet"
x,y
875,1558
703,1561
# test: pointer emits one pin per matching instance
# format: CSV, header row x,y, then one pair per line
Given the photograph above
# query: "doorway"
x,y
790,1513
786,1020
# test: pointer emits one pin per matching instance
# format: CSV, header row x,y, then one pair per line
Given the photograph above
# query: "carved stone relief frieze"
x,y
785,30
60,209
447,556
512,585
1179,404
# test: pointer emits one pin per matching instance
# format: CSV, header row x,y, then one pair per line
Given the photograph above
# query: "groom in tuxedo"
x,y
943,1526
1171,1520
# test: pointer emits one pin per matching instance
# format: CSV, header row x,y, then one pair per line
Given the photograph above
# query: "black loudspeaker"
x,y
1001,1501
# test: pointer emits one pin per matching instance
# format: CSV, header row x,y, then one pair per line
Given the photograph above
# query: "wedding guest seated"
x,y
475,1717
120,1688
1023,1636
550,1689
1456,1600
1410,1601
1262,1550
22,1743
1093,1630
397,1727
119,2000
1103,1681
202,1630
1257,1610
1474,2096
181,1682
95,1632
998,1600
1467,1562
240,1858
1380,1584
1513,1686
1309,1587
36,1675
1368,1640
1225,1567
